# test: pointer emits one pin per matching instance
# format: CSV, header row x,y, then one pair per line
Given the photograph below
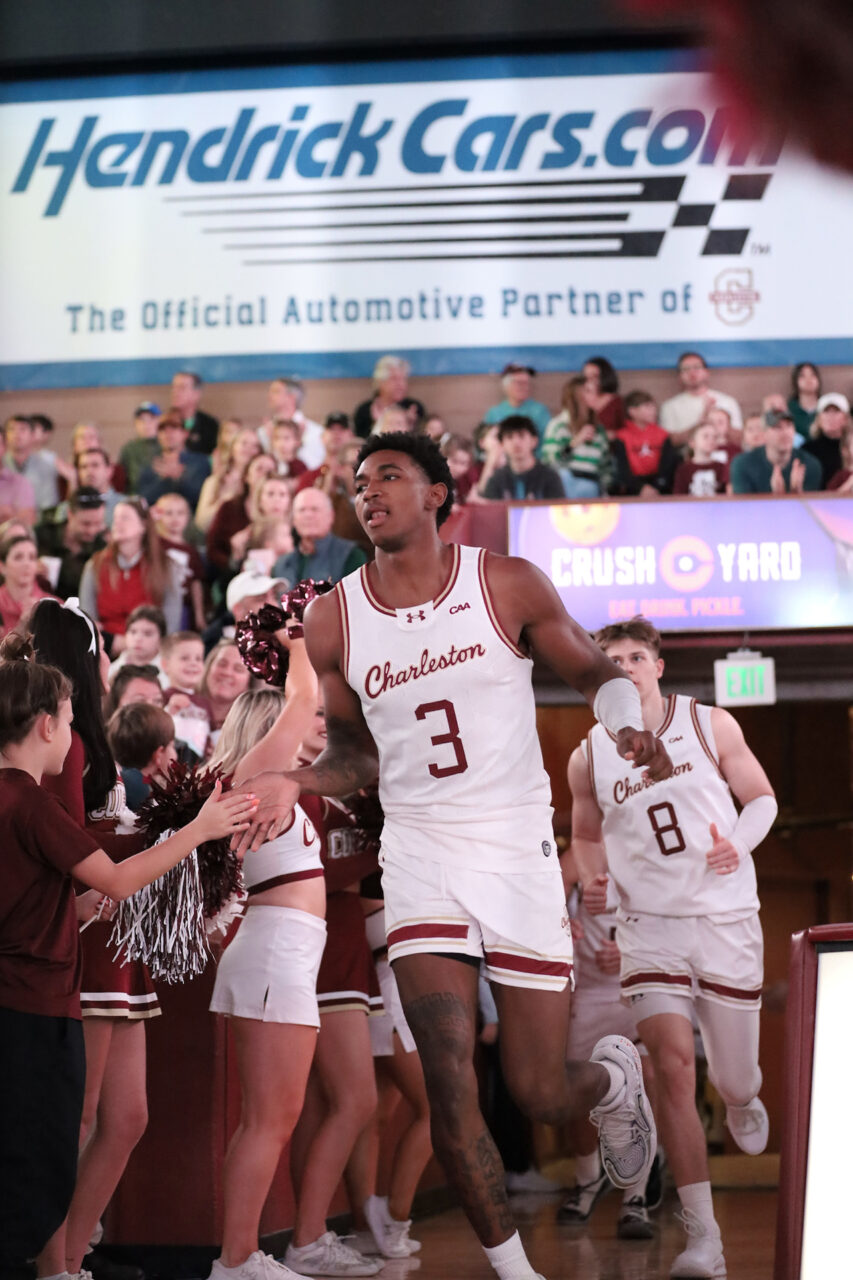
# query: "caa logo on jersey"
x,y
457,608
546,848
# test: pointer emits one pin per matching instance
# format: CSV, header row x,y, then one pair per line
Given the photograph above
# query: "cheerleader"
x,y
267,978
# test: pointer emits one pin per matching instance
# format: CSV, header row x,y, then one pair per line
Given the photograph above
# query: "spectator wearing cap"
x,y
174,468
522,477
320,554
202,429
516,382
776,466
75,540
24,457
680,413
390,387
137,454
286,396
94,471
246,593
17,500
831,422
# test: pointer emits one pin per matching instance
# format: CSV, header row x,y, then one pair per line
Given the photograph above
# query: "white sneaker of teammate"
x,y
329,1256
391,1234
626,1129
258,1266
749,1126
703,1258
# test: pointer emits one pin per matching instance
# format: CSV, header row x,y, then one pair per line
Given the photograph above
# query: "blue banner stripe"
x,y
522,67
425,362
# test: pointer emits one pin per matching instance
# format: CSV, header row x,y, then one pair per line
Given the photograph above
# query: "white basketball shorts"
x,y
697,957
518,923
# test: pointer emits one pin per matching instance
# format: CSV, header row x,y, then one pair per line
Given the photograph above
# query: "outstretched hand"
x,y
645,750
276,795
722,857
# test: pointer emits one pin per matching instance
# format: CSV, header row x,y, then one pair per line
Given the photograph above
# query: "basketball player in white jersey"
x,y
687,925
425,661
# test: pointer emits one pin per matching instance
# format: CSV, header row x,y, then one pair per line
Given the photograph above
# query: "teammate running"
x,y
688,929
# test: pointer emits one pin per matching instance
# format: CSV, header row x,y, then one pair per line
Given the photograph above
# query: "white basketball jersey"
x,y
447,697
657,834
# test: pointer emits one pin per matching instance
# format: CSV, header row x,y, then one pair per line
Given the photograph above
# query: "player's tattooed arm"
x,y
348,763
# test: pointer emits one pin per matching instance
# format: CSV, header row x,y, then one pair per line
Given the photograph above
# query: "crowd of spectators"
x,y
191,505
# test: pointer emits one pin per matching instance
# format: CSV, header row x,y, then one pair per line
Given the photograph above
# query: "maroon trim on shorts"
x,y
528,964
273,883
672,979
440,932
735,993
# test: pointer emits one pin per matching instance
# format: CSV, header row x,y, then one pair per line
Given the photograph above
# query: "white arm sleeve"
x,y
755,821
617,705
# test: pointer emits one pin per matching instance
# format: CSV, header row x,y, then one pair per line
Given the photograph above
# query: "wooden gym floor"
x,y
450,1252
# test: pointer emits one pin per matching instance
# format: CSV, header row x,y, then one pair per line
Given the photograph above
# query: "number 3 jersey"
x,y
447,697
657,834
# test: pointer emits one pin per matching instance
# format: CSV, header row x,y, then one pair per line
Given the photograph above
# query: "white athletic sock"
x,y
697,1196
616,1093
59,1275
509,1260
588,1168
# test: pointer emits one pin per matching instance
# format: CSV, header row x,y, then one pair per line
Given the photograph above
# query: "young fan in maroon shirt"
x,y
42,1066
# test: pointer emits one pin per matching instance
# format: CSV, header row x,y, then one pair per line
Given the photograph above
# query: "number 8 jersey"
x,y
657,834
448,699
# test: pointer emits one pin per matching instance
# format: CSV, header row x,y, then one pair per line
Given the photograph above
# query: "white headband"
x,y
72,604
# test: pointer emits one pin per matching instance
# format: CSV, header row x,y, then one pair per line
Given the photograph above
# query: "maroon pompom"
x,y
259,648
261,652
295,603
170,806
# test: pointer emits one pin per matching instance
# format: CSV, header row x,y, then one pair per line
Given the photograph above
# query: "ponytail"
x,y
28,689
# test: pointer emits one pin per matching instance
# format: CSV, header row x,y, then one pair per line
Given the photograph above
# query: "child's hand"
x,y
93,904
223,815
177,702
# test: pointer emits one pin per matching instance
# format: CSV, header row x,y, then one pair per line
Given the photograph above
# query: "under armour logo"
x,y
679,738
420,615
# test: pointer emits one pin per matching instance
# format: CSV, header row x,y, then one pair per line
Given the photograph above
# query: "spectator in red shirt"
x,y
644,455
132,569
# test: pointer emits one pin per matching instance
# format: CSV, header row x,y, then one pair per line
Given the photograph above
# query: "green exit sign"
x,y
744,679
